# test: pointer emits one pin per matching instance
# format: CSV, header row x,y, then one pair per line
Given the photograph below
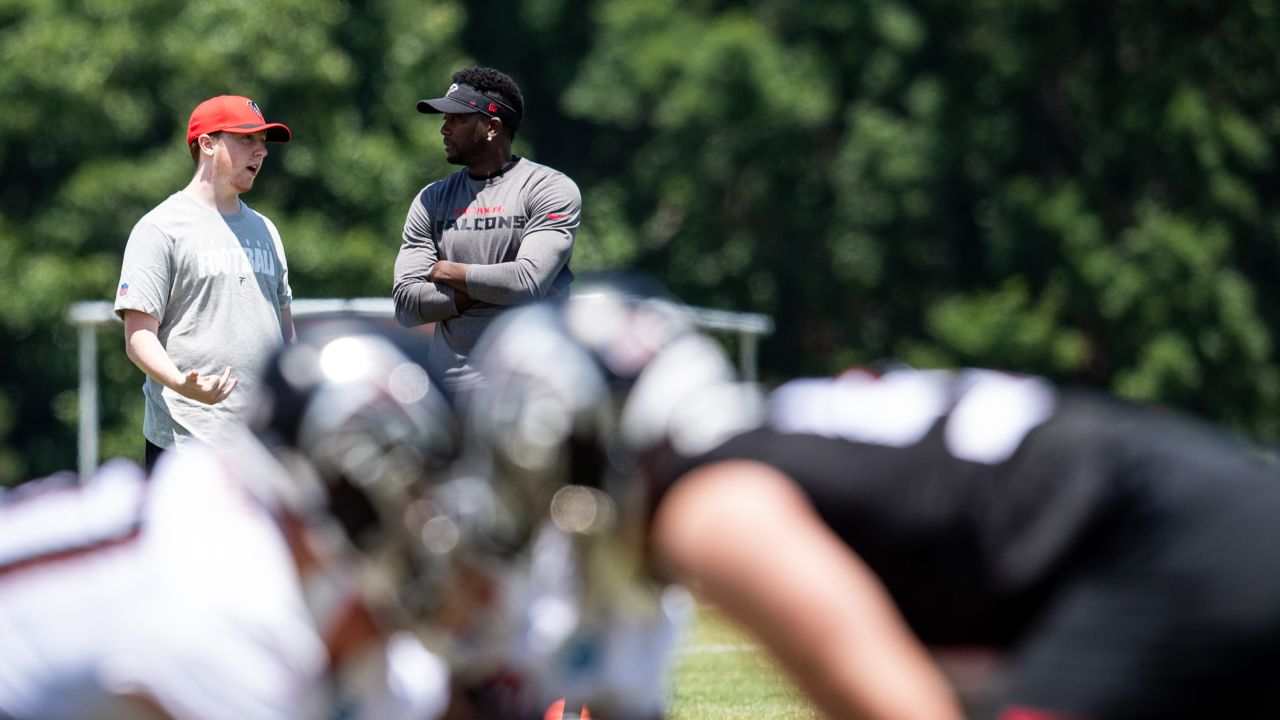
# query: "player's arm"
x,y
454,275
418,298
744,537
142,345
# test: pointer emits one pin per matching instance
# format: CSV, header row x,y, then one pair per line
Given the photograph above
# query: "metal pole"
x,y
88,446
748,343
88,316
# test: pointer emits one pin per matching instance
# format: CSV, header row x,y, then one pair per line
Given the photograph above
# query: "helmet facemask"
x,y
366,436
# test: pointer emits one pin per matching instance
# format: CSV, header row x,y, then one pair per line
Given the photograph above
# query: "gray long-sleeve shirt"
x,y
516,233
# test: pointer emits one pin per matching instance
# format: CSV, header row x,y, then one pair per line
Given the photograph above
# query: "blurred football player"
x,y
273,579
575,619
1120,559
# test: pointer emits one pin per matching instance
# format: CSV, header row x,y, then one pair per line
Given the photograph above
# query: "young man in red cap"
x,y
204,288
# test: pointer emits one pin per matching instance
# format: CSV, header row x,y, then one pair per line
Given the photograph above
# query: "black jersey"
x,y
972,494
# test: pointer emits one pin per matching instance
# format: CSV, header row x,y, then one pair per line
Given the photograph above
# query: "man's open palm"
x,y
208,389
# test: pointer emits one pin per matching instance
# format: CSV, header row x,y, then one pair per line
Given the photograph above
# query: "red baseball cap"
x,y
233,114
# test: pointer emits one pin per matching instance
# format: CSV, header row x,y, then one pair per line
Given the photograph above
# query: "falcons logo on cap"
x,y
254,107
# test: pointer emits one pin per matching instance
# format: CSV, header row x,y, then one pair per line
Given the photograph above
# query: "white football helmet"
x,y
584,400
365,436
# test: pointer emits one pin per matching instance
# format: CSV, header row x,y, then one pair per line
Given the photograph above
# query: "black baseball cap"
x,y
462,98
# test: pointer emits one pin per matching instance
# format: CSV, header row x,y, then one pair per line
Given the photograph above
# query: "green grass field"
x,y
723,674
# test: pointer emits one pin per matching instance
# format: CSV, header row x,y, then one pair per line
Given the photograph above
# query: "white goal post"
x,y
89,316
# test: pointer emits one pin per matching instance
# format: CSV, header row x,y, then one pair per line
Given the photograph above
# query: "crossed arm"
x,y
428,287
453,274
527,278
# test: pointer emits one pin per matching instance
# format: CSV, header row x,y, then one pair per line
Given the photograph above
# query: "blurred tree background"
x,y
1079,189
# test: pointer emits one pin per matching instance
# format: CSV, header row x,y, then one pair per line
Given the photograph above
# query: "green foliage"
x,y
1077,189
97,96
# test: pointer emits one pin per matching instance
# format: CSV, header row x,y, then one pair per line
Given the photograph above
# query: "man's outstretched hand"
x,y
208,389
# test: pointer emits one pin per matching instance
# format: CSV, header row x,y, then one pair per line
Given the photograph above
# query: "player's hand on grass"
x,y
208,389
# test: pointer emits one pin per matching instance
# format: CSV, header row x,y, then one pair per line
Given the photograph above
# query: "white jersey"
x,y
179,589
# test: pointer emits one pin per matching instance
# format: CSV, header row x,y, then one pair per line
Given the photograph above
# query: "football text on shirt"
x,y
237,260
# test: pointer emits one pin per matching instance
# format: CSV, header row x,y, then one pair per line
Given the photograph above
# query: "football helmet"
x,y
365,435
584,401
583,404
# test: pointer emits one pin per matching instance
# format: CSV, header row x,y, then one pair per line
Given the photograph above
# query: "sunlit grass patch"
x,y
722,673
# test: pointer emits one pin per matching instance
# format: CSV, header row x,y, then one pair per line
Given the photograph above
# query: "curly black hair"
x,y
494,83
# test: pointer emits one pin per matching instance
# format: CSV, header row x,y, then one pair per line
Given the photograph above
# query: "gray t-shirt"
x,y
217,284
516,231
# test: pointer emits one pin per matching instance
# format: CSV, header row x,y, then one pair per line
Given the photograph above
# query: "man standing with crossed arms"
x,y
497,232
